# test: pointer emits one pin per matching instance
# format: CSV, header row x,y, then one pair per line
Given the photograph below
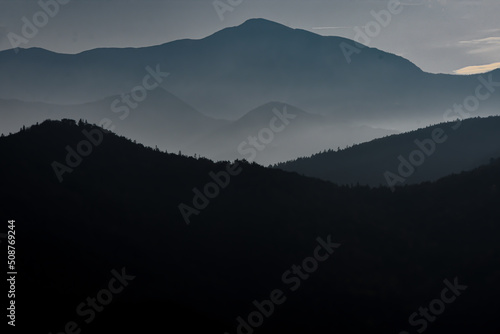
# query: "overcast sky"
x,y
440,36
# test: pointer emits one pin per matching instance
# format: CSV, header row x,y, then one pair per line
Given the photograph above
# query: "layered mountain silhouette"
x,y
237,69
407,158
153,165
119,208
278,132
161,119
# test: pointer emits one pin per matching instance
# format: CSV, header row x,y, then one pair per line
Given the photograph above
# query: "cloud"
x,y
483,45
477,69
428,3
489,31
325,28
487,40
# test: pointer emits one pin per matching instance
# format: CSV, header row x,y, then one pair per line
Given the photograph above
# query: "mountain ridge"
x,y
104,217
231,71
466,146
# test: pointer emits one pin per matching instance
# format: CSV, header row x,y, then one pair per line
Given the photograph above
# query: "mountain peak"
x,y
261,25
259,22
256,28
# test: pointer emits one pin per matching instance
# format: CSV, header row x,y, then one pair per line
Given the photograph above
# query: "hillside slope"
x,y
119,208
417,156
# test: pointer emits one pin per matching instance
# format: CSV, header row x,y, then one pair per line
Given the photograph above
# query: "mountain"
x,y
277,132
417,156
232,71
111,235
16,114
161,119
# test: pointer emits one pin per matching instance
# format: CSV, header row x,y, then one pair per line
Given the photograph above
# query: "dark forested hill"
x,y
160,119
422,155
369,258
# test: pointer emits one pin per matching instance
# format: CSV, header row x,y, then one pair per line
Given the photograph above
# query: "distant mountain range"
x,y
238,69
161,119
417,156
119,210
150,166
164,121
278,132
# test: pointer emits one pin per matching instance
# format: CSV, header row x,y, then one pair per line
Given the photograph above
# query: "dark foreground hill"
x,y
380,255
409,158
